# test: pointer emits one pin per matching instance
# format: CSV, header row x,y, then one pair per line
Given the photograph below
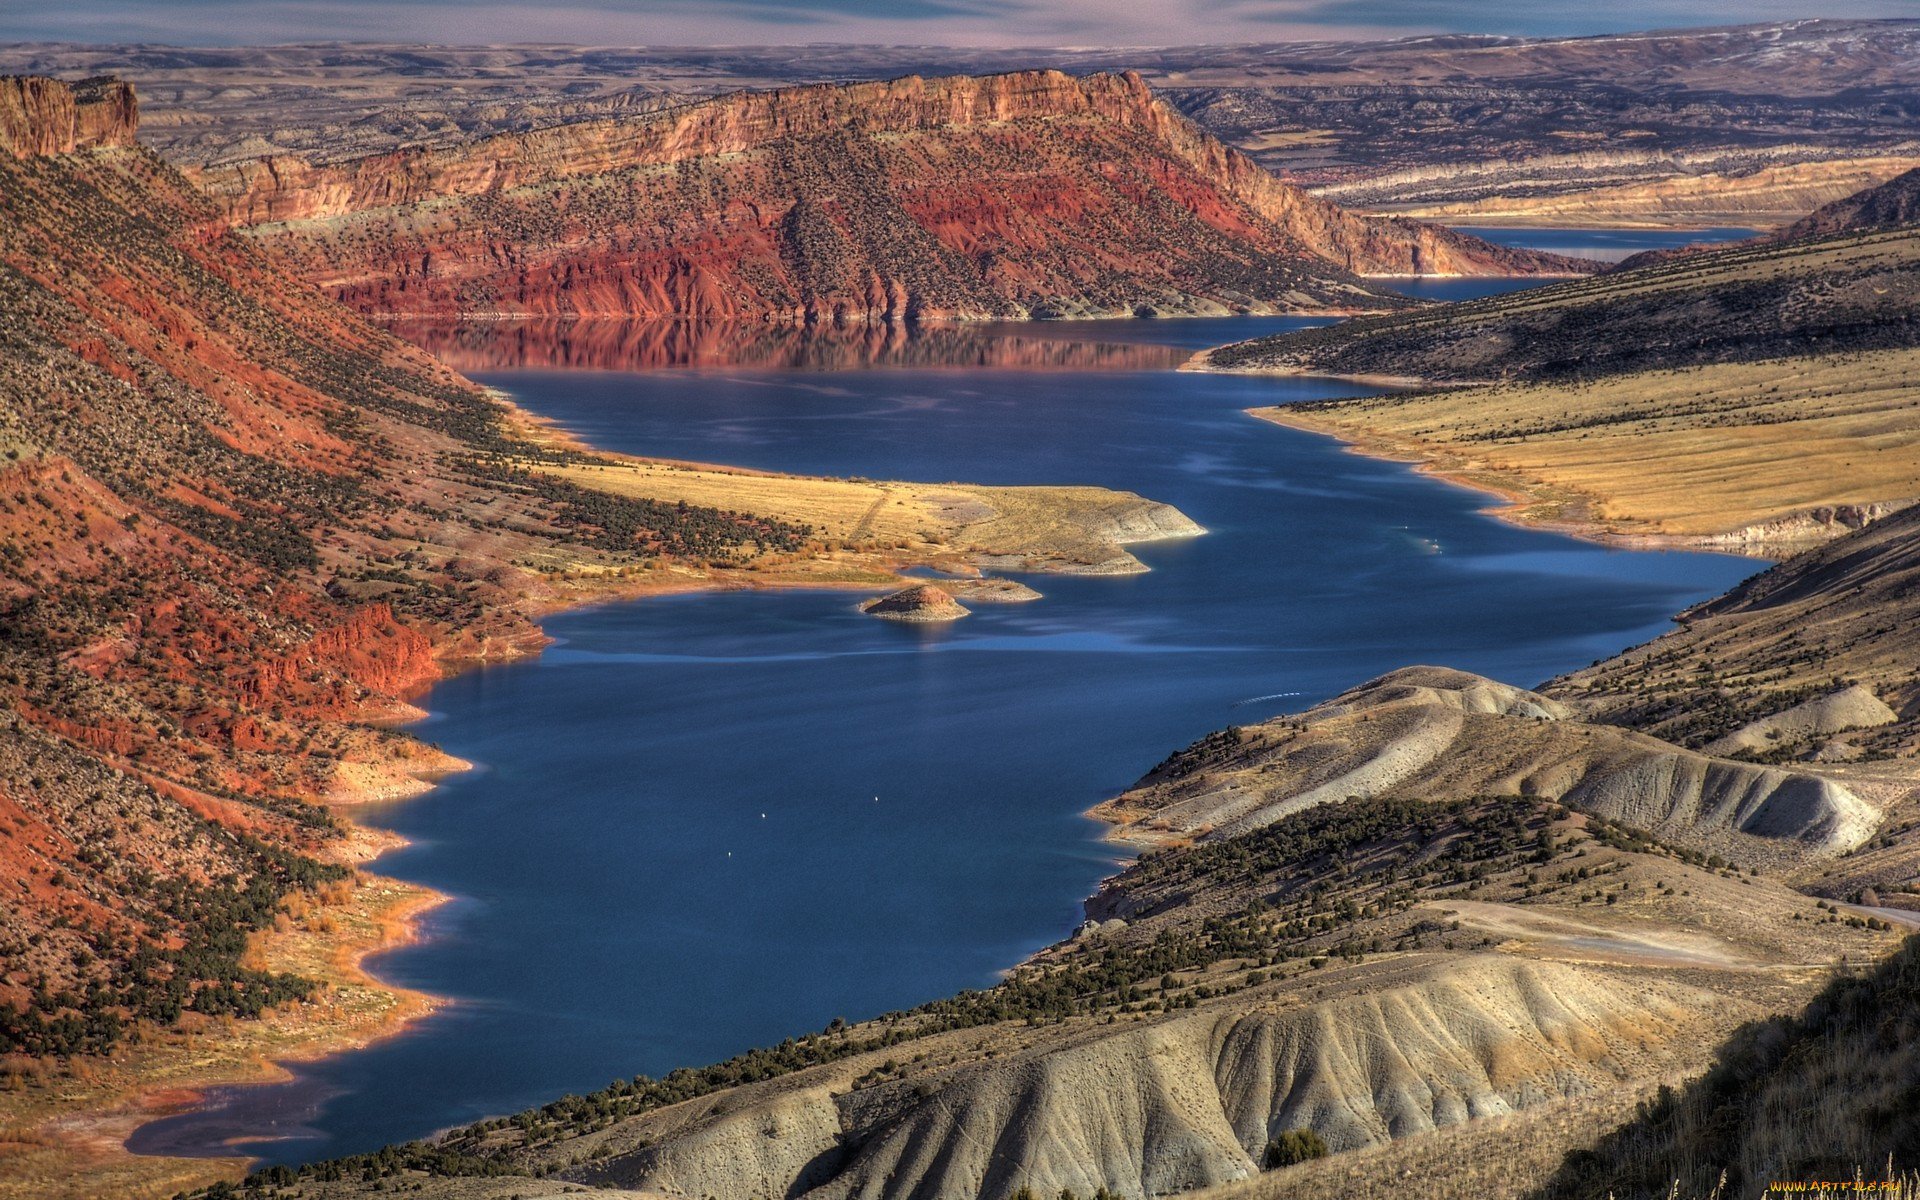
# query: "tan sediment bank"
x,y
69,1140
1518,501
1668,458
1773,194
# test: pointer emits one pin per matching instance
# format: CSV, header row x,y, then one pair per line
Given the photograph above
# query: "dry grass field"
x,y
1078,530
1697,452
1759,397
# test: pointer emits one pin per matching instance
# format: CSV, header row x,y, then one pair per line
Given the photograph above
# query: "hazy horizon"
x,y
955,23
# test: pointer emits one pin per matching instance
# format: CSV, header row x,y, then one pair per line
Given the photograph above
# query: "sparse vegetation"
x,y
1826,1094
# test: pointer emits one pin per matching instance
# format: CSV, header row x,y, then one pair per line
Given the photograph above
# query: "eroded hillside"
x,y
1811,659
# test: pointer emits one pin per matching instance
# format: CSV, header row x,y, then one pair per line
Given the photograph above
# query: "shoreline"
x,y
88,1136
395,922
1515,499
69,1138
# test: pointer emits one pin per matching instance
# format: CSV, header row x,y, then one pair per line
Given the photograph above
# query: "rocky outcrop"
x,y
1803,530
1433,732
1170,1106
921,604
1028,194
40,116
989,591
369,652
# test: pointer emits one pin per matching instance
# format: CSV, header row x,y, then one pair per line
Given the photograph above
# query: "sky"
x,y
896,22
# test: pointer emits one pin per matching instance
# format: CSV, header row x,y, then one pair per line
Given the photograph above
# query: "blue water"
x,y
702,823
1607,245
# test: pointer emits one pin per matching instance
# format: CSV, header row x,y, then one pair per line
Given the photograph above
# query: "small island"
x,y
922,603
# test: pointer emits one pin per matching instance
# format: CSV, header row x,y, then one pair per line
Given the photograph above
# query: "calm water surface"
x,y
1607,245
704,823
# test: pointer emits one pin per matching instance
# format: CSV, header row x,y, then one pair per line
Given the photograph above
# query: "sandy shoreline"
x,y
1518,501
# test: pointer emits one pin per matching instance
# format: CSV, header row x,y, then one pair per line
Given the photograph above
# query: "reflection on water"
x,y
615,345
602,344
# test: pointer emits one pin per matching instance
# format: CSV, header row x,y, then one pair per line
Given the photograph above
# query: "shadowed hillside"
x,y
1751,301
1831,1094
1888,206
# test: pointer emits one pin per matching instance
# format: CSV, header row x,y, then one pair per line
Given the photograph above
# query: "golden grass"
x,y
1044,527
1682,453
1281,139
871,528
841,509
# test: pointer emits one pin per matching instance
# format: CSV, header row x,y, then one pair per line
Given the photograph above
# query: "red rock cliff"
x,y
1032,193
40,116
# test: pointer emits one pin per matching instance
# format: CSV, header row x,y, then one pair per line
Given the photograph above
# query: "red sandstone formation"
x,y
1028,194
42,116
236,521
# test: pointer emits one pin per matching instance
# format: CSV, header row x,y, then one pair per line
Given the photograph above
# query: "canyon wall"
x,y
238,524
1034,193
42,116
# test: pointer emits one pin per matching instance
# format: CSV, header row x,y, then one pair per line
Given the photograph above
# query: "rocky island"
x,y
921,604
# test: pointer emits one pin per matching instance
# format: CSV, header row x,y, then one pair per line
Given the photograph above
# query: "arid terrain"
x,y
1716,366
1752,125
241,528
1608,935
1397,917
1452,929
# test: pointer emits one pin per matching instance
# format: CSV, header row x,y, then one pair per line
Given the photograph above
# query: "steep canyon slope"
x,y
1028,194
235,522
239,527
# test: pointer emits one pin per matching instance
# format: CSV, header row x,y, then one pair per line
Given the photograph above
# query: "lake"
x,y
702,823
